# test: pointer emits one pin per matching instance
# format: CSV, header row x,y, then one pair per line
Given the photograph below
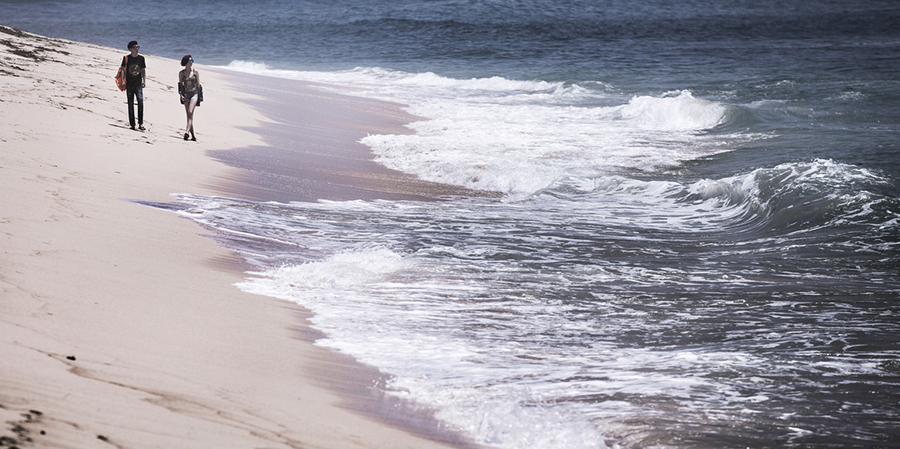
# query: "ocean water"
x,y
697,241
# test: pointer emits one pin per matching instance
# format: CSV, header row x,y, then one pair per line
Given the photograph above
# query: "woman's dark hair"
x,y
132,44
185,60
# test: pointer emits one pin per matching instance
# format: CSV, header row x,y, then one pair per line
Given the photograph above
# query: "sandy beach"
x,y
119,324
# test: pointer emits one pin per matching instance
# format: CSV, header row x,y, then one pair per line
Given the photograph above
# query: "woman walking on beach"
x,y
189,88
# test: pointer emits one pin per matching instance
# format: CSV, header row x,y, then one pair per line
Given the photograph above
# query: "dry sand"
x,y
119,323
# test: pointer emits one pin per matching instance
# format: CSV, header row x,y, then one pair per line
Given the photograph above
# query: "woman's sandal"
x,y
186,135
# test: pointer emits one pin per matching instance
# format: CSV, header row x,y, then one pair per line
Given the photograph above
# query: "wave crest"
x,y
679,111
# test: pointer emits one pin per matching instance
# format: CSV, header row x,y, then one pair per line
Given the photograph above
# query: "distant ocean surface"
x,y
698,239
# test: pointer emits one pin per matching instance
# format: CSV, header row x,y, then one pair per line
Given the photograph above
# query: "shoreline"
x,y
120,324
312,150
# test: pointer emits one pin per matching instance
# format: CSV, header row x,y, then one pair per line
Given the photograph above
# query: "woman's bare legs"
x,y
189,111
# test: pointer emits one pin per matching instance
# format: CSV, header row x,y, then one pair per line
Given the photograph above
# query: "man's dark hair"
x,y
132,44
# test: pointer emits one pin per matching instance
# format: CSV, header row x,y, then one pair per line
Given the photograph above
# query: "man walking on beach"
x,y
135,81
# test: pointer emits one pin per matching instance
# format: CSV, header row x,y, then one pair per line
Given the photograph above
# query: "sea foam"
x,y
519,137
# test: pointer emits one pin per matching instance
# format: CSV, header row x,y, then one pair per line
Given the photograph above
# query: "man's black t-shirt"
x,y
133,66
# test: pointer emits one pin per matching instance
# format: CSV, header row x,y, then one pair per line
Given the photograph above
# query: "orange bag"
x,y
120,78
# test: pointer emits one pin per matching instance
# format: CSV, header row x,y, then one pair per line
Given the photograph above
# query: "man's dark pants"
x,y
132,92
